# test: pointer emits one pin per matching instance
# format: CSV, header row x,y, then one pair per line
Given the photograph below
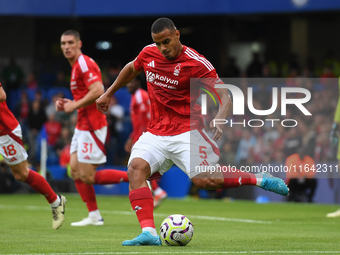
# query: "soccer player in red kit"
x,y
14,154
176,132
140,118
87,145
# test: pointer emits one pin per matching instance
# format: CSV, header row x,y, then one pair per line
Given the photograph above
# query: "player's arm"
x,y
222,113
334,135
2,94
95,90
127,74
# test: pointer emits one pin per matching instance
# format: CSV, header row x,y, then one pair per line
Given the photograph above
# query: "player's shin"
x,y
88,195
142,203
234,178
110,176
39,183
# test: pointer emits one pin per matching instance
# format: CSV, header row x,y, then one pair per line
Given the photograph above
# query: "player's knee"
x,y
132,171
20,176
88,179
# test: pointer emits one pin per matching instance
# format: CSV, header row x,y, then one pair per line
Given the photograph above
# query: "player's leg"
x,y
86,192
203,153
15,156
146,158
142,203
158,193
57,202
337,212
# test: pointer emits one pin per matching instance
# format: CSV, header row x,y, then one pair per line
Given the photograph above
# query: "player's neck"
x,y
180,50
73,60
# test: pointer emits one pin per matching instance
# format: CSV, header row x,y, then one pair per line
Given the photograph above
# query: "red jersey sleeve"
x,y
138,62
93,73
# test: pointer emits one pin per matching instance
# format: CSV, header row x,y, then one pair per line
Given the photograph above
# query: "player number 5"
x,y
201,150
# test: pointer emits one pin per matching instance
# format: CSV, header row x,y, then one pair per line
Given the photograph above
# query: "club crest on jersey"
x,y
177,69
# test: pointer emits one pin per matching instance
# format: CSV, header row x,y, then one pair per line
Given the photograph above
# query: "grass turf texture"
x,y
221,227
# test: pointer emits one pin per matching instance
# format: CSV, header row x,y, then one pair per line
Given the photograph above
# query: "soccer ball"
x,y
176,230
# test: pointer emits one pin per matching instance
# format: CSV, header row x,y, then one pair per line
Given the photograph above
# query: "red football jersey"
x,y
7,120
168,84
84,73
140,113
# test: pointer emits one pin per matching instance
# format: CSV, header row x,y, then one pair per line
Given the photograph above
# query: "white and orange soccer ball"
x,y
176,230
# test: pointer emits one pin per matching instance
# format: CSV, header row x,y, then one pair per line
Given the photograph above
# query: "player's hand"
x,y
59,104
334,134
69,105
218,132
103,103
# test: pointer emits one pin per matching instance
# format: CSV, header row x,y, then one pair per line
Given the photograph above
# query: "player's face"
x,y
168,43
70,46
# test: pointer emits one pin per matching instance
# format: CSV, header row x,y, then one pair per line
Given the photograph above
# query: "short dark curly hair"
x,y
162,23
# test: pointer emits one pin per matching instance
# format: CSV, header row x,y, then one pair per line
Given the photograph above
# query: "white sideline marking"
x,y
182,252
201,217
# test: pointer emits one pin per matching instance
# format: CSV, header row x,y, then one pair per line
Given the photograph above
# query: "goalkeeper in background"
x,y
334,138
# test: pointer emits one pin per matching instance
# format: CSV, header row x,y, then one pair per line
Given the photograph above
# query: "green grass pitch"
x,y
221,227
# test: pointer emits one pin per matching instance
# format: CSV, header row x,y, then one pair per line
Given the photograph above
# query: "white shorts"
x,y
89,145
187,150
12,148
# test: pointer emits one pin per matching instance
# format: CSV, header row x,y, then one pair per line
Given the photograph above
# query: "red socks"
x,y
109,176
234,178
154,185
39,183
87,193
142,203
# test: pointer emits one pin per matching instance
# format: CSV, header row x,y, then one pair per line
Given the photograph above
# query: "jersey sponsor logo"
x,y
151,77
13,159
177,69
87,157
152,63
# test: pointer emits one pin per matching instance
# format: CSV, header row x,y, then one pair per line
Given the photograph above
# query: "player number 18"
x,y
9,150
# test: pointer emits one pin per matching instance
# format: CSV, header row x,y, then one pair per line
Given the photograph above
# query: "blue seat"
x,y
124,97
58,172
52,91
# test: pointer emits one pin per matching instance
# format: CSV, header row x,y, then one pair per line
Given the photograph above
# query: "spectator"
x,y
31,82
293,142
115,118
232,69
36,119
247,142
227,155
60,81
21,111
63,140
53,129
12,75
254,69
299,178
